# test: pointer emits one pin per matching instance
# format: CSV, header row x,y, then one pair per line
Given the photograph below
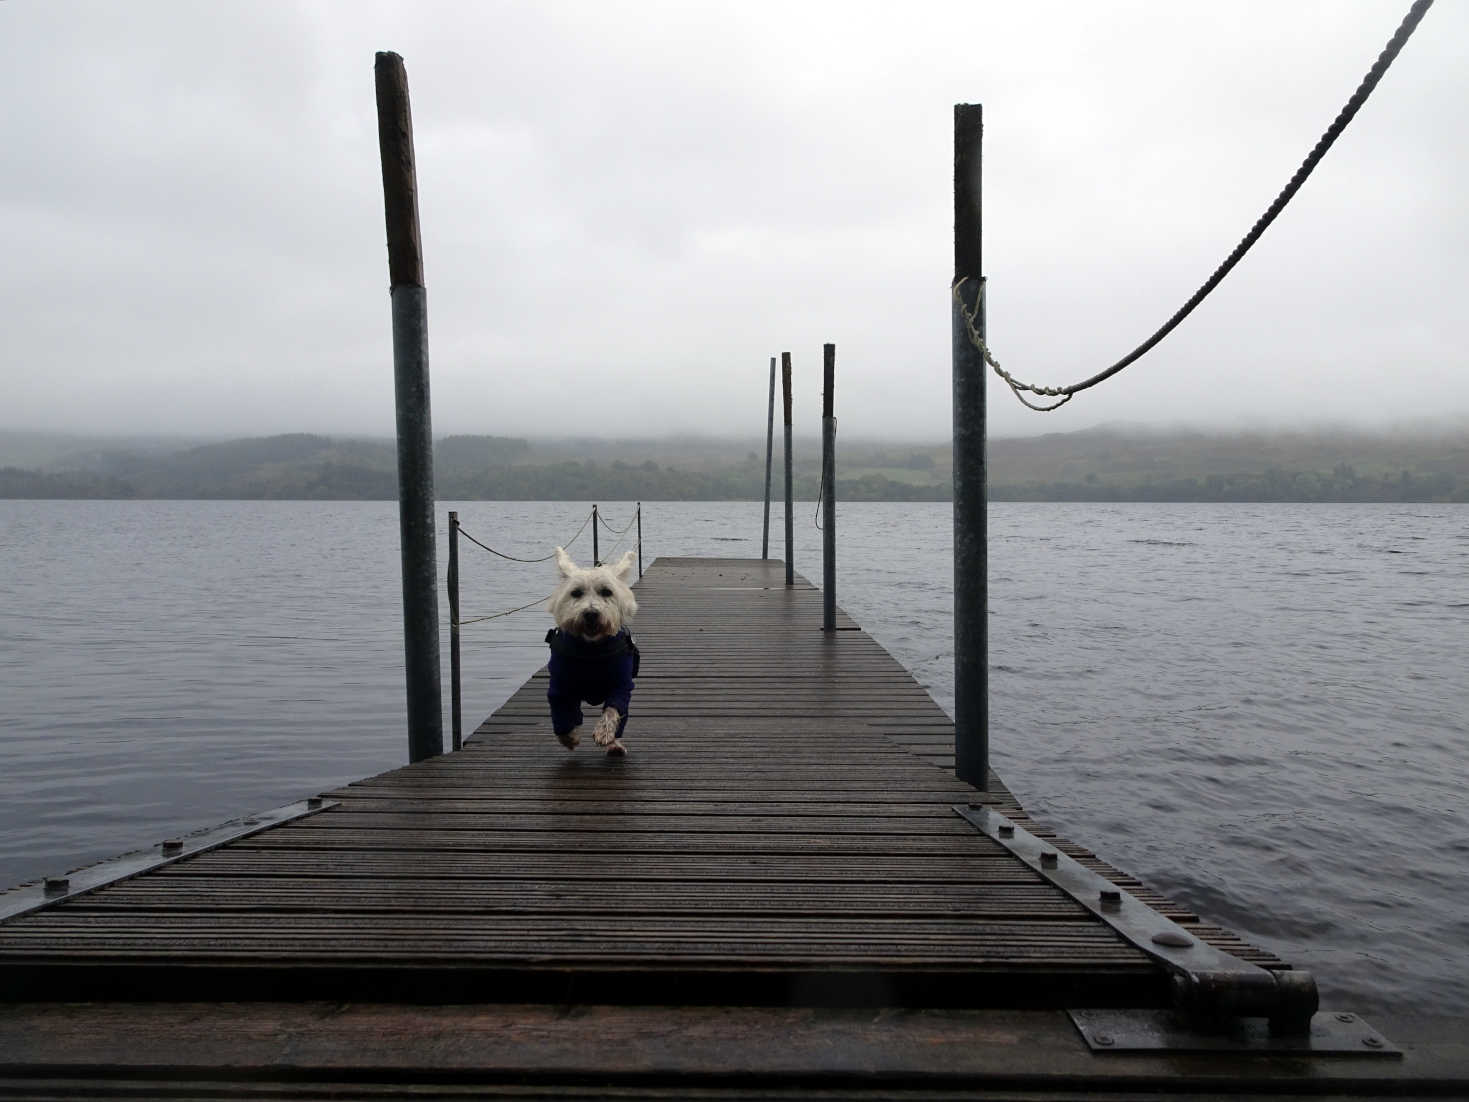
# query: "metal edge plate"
x,y
32,897
1332,1033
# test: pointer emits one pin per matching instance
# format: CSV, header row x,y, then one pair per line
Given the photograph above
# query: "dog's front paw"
x,y
605,732
569,740
616,750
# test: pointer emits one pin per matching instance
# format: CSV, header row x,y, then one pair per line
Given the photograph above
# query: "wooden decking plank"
x,y
780,817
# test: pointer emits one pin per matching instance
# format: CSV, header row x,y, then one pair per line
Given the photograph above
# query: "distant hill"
x,y
1094,465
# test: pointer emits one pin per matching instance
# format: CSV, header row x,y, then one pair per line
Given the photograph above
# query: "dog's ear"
x,y
624,565
564,563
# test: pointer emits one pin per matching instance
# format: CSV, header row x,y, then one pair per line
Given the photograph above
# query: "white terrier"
x,y
593,656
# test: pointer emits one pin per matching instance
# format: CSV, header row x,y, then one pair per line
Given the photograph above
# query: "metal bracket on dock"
x,y
1135,1031
1209,985
58,889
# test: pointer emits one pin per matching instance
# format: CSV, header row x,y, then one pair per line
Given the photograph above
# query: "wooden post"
x,y
596,554
971,561
829,491
640,539
769,452
785,377
455,697
415,431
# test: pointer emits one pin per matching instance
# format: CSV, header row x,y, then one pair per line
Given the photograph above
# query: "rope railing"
x,y
543,558
500,615
613,528
1065,393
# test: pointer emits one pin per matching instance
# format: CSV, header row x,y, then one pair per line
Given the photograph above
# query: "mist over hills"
x,y
1106,464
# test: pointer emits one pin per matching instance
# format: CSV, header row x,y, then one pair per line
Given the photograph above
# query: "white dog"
x,y
593,656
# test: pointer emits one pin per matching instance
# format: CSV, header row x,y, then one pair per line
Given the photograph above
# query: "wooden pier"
x,y
774,894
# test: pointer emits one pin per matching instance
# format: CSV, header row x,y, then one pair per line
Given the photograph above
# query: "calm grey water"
x,y
1258,709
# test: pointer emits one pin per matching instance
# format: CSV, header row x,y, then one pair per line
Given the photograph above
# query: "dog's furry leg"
x,y
569,740
605,732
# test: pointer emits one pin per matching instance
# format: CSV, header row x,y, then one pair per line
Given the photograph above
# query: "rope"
x,y
821,489
615,531
512,558
498,615
1369,82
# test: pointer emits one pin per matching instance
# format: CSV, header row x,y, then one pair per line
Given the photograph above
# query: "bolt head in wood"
x,y
1048,860
55,885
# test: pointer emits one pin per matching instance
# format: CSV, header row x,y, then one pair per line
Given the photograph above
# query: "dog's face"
x,y
595,603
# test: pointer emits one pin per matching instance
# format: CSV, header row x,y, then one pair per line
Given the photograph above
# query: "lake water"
x,y
1259,709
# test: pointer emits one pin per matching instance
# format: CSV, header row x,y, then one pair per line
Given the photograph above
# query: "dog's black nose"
x,y
591,617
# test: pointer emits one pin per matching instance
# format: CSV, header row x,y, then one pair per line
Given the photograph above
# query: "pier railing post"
x,y
971,565
640,539
785,377
415,431
596,553
829,492
455,696
769,452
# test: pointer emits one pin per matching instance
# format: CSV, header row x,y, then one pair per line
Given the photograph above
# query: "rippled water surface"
x,y
1258,709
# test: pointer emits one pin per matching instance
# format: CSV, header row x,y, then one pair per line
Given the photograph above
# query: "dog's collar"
x,y
562,643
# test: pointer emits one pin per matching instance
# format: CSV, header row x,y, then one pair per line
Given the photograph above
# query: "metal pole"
x,y
640,539
454,682
415,432
829,493
971,565
769,452
785,382
596,555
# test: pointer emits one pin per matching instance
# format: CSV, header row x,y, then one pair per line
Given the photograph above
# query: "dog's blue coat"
x,y
599,673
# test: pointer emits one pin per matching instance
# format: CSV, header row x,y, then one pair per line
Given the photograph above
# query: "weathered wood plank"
x,y
779,819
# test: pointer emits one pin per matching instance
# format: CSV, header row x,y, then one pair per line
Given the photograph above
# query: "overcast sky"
x,y
627,208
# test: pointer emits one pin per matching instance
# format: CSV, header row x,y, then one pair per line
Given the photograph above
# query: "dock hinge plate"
x,y
1141,1031
1209,984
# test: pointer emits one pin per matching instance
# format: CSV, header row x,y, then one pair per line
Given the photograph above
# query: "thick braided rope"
x,y
1364,89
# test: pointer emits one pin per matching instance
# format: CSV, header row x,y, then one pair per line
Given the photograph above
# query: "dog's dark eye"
x,y
576,593
604,592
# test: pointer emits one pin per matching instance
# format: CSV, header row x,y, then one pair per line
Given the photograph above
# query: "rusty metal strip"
x,y
1208,983
57,889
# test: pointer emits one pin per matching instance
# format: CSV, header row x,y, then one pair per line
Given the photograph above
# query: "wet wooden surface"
x,y
770,897
781,832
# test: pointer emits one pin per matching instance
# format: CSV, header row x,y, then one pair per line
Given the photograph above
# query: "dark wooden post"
x,y
829,492
415,431
971,564
455,697
769,452
785,378
640,539
596,554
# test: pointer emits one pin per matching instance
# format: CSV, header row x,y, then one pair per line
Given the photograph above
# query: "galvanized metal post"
x,y
415,431
640,539
971,565
829,492
769,452
785,377
454,683
596,554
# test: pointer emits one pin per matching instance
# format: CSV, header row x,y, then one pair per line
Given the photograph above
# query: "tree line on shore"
x,y
1088,466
